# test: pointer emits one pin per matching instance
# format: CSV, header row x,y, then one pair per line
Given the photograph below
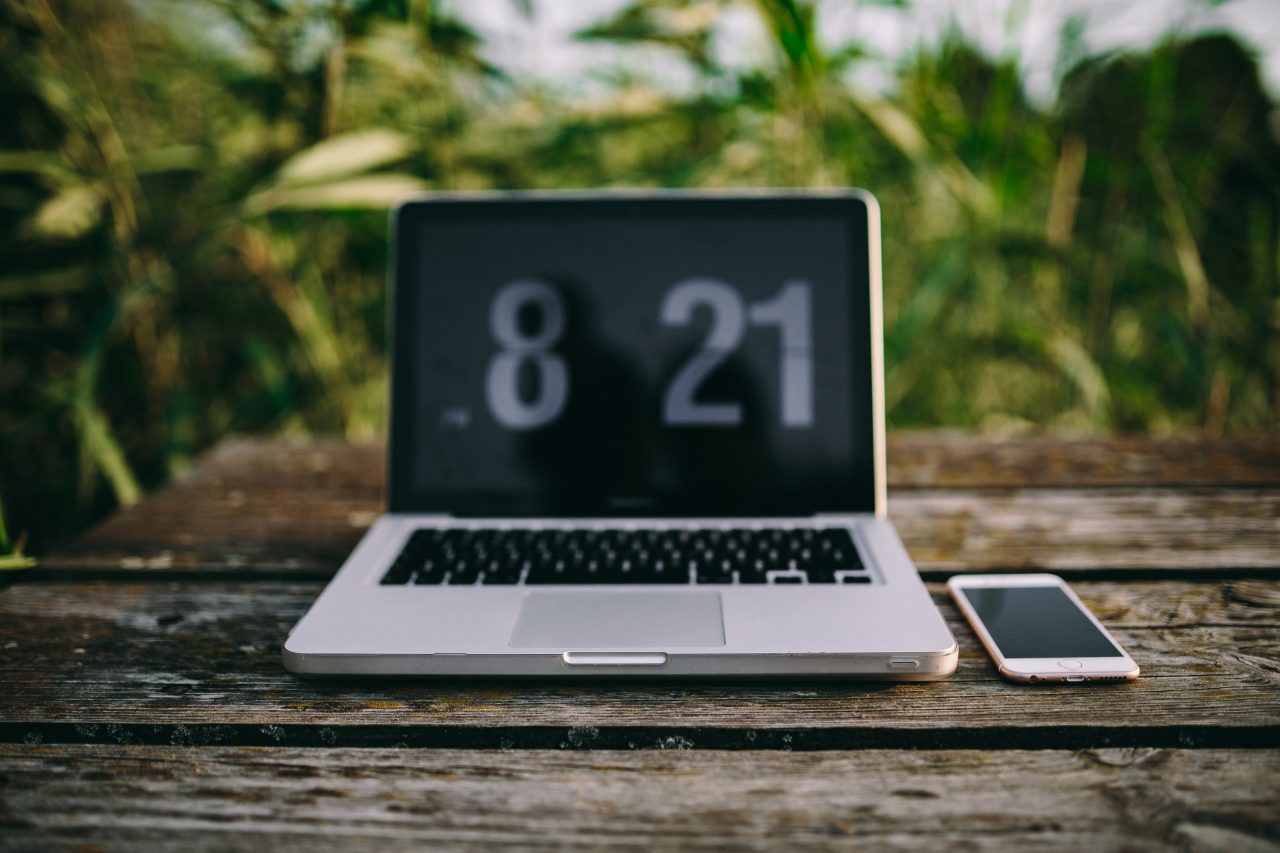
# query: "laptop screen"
x,y
664,355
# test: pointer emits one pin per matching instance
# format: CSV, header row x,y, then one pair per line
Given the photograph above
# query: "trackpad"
x,y
570,621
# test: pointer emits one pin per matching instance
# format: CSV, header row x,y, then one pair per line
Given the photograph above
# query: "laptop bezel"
x,y
866,493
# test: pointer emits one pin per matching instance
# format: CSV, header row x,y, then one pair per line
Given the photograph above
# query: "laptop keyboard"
x,y
775,555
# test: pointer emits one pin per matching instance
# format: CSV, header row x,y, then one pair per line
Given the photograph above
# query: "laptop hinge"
x,y
842,516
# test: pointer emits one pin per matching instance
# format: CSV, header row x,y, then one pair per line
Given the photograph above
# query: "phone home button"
x,y
1070,664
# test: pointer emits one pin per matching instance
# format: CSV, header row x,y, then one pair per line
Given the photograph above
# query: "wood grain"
x,y
1084,531
199,663
144,703
1125,505
943,460
188,799
249,508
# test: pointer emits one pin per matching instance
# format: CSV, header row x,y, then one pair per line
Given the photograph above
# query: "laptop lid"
x,y
665,354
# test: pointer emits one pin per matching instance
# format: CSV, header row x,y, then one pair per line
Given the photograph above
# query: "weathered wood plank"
x,y
307,534
941,460
297,510
249,507
188,799
927,459
1082,530
199,662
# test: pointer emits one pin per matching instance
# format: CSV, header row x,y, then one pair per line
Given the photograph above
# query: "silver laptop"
x,y
633,435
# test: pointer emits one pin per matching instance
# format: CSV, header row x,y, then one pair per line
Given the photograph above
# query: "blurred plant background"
x,y
193,204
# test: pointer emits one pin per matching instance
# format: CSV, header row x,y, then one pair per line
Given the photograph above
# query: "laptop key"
x,y
545,570
432,571
397,574
820,574
500,571
743,555
463,572
664,572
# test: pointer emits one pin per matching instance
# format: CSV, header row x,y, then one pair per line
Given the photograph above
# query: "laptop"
x,y
633,434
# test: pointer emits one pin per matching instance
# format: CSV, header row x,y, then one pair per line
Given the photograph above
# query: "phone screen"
x,y
1037,622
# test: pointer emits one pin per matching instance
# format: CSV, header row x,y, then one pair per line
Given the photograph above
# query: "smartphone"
x,y
1037,630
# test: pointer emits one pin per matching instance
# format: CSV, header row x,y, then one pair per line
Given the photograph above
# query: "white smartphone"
x,y
1038,631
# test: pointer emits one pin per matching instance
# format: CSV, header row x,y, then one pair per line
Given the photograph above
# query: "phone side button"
x,y
904,663
1070,664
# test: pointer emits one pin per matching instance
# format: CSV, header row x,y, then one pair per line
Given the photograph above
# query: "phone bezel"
x,y
1041,670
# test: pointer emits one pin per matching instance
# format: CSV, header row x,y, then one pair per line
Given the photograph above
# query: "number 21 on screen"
x,y
790,310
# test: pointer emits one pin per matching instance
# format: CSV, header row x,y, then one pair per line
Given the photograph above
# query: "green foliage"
x,y
11,556
193,216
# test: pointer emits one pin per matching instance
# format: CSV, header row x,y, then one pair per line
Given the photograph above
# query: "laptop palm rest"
x,y
618,620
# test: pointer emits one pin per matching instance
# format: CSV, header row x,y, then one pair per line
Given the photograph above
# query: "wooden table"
x,y
144,703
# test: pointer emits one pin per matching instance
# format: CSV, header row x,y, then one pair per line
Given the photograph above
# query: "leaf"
x,y
374,192
898,127
1083,371
1180,234
102,447
685,27
171,158
4,531
46,164
909,138
11,556
48,283
69,214
343,155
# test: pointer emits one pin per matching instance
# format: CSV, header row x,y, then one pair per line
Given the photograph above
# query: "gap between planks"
x,y
630,738
70,573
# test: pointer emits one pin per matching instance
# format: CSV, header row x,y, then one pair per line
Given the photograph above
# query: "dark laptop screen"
x,y
665,355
